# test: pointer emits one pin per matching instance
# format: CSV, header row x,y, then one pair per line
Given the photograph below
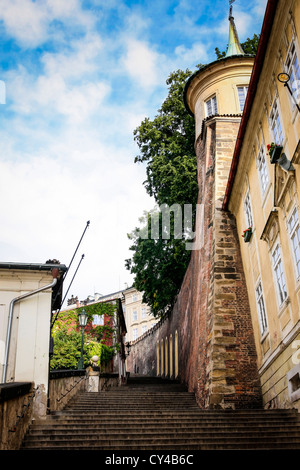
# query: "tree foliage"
x,y
166,146
98,339
159,266
249,47
66,351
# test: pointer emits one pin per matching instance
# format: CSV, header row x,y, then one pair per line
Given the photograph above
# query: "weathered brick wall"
x,y
217,357
233,379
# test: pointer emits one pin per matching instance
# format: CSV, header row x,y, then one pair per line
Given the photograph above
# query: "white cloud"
x,y
29,21
25,20
81,58
49,200
194,55
66,139
142,63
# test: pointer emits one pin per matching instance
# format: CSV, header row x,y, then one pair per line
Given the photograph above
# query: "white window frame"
x,y
135,334
248,210
98,320
262,168
292,67
279,274
242,91
276,123
261,309
211,106
144,312
294,232
134,315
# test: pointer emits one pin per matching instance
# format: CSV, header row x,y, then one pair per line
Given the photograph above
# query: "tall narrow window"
x,y
294,229
248,211
134,315
157,359
293,69
261,308
134,334
242,93
276,124
211,106
144,312
280,278
262,169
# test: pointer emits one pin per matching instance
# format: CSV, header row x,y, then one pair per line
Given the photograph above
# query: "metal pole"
x,y
67,291
80,363
65,274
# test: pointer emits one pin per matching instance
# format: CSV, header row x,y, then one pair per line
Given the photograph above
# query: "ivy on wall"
x,y
98,339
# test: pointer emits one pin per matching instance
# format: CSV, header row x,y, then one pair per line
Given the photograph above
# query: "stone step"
x,y
149,434
187,413
157,427
166,424
145,416
168,443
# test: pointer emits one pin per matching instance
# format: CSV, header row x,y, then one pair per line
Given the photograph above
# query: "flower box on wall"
x,y
247,235
274,152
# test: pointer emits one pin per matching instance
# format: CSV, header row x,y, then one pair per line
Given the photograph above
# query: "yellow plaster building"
x,y
263,192
138,316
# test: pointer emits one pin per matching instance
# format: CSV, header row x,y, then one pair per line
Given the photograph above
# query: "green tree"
x,y
66,335
159,266
166,145
67,349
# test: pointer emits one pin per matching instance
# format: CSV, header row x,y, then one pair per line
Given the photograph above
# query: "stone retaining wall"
x,y
16,412
211,318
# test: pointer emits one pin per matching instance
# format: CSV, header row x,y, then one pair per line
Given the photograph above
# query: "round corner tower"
x,y
215,95
227,367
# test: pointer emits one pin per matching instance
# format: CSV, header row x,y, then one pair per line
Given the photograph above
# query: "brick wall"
x,y
211,317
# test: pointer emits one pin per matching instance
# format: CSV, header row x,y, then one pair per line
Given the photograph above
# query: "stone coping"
x,y
9,391
60,374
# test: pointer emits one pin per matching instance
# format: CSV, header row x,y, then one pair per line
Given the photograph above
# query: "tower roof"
x,y
234,46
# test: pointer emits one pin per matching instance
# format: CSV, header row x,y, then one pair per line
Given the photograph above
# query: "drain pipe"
x,y
10,316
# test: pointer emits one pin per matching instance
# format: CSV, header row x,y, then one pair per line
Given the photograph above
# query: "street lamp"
x,y
82,318
284,77
128,349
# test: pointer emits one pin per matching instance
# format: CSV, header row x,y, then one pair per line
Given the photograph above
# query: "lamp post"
x,y
128,347
285,78
82,317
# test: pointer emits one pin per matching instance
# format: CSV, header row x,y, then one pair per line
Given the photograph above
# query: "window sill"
x,y
283,306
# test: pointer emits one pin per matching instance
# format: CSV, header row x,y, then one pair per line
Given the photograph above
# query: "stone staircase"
x,y
156,414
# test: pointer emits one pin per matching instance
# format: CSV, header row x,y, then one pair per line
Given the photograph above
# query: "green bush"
x,y
67,350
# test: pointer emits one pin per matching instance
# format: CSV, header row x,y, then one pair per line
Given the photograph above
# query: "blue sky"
x,y
80,76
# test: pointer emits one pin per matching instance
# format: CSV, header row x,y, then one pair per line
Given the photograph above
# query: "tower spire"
x,y
234,45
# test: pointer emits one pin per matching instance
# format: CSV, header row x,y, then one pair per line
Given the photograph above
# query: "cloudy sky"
x,y
80,76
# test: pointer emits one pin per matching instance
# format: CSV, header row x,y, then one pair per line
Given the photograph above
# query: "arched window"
x,y
166,357
157,359
176,354
161,357
171,355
